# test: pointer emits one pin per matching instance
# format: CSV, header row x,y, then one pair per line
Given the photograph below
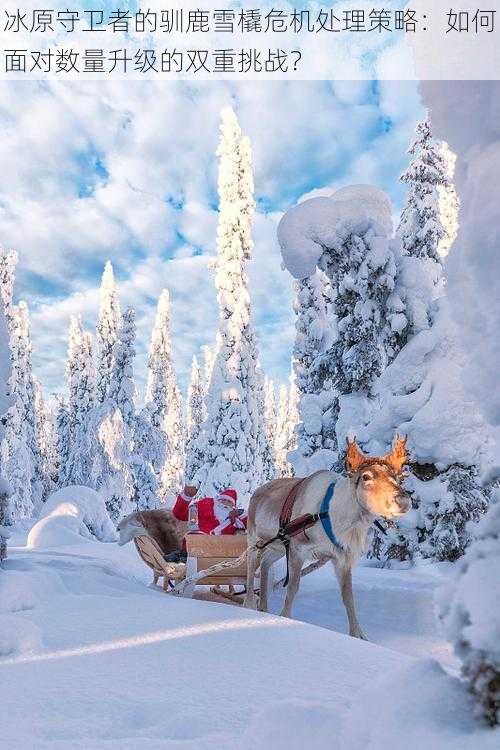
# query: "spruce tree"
x,y
163,400
116,431
315,434
447,497
230,436
282,437
5,404
270,419
62,424
421,228
80,465
195,415
18,449
46,442
107,332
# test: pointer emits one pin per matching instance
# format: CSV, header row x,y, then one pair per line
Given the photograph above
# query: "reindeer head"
x,y
377,480
128,528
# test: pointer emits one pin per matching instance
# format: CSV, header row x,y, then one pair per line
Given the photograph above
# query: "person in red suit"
x,y
210,515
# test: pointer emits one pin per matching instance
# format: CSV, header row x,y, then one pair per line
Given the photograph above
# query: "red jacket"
x,y
210,515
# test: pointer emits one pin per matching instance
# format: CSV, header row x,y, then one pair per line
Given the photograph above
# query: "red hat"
x,y
228,494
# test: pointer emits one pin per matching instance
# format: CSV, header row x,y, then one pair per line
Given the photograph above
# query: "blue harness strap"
x,y
324,516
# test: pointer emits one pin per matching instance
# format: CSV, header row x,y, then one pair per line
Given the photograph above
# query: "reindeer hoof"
x,y
358,633
250,602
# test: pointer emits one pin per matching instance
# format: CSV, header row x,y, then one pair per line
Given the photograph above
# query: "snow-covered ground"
x,y
93,658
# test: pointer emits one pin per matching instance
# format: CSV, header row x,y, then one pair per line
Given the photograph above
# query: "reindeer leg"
x,y
344,575
252,564
268,559
294,567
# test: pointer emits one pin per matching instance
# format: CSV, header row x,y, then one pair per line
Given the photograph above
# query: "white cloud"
x,y
127,171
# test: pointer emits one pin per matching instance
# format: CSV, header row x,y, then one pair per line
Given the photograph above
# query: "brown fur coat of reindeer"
x,y
371,489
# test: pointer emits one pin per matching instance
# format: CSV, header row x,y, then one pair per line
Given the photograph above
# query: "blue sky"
x,y
127,171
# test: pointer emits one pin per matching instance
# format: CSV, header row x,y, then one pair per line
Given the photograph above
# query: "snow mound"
x,y
421,706
306,229
18,636
70,514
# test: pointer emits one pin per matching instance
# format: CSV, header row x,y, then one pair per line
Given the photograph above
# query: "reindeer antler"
x,y
354,457
398,457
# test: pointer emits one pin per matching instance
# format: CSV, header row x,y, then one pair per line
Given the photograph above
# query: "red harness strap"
x,y
287,509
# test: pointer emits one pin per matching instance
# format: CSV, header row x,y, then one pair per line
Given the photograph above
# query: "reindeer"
x,y
372,488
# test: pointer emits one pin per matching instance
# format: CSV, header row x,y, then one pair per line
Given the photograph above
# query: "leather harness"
x,y
289,528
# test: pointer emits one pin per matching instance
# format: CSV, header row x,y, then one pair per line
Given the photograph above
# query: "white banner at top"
x,y
394,40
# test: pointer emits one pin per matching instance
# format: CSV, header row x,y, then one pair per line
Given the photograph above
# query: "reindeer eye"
x,y
366,477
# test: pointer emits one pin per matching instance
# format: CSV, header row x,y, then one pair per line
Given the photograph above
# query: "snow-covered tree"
x,y
315,434
229,438
265,463
107,331
46,442
80,465
209,354
148,449
62,436
163,399
421,394
195,416
471,615
283,430
116,424
8,263
449,204
421,228
427,230
270,420
20,448
5,405
362,270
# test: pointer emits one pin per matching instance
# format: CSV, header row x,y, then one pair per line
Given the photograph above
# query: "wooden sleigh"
x,y
204,551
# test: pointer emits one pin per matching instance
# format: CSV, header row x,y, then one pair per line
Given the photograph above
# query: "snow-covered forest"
x,y
379,350
375,354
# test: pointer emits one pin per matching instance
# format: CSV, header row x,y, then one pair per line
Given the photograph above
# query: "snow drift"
x,y
70,514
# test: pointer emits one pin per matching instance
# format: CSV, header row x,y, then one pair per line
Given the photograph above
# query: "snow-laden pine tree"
x,y
265,464
164,406
270,419
148,448
46,442
471,615
229,438
349,237
8,263
315,434
444,475
62,436
20,444
427,229
421,228
33,439
282,435
5,405
80,465
209,354
195,416
106,332
116,429
449,204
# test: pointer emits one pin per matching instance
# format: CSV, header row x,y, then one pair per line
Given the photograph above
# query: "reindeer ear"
x,y
398,457
354,457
